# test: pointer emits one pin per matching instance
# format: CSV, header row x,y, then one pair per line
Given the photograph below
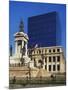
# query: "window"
x,y
49,59
58,67
49,50
40,61
54,67
34,62
53,50
58,58
49,67
58,50
54,58
45,67
45,50
39,51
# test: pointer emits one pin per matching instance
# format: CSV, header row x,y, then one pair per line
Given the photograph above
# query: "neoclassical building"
x,y
51,59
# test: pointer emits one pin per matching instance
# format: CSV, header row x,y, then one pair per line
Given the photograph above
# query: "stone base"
x,y
24,71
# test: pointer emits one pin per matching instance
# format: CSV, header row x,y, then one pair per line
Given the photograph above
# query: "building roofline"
x,y
48,47
43,14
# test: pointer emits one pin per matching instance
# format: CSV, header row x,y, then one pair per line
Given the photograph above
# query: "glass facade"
x,y
42,30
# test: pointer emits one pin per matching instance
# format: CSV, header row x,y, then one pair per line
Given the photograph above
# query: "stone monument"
x,y
21,40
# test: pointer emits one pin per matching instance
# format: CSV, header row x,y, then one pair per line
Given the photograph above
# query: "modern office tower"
x,y
44,30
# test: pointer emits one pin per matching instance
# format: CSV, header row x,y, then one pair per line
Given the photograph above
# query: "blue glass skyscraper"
x,y
44,30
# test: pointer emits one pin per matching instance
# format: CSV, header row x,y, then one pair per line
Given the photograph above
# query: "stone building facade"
x,y
51,59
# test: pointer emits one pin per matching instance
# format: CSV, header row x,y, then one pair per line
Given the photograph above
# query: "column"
x,y
15,47
22,44
26,49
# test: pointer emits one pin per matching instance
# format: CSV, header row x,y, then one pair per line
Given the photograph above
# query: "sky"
x,y
23,10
